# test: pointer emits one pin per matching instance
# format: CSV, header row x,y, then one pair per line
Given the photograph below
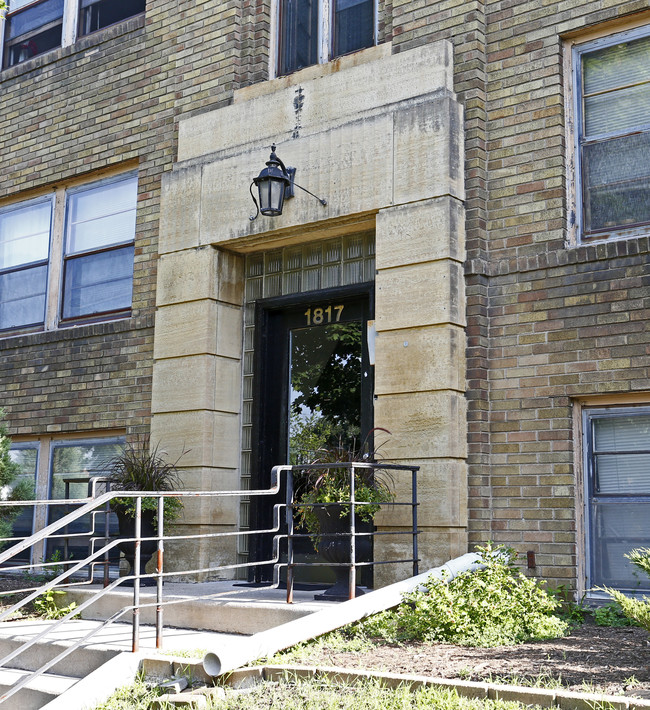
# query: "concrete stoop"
x,y
225,606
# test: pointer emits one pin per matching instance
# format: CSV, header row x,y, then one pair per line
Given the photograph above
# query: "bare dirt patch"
x,y
592,659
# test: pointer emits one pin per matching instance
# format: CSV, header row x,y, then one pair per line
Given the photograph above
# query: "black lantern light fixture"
x,y
274,185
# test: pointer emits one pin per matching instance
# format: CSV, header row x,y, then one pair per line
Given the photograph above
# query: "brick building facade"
x,y
456,157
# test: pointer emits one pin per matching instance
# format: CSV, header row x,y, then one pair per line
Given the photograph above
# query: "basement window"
x,y
617,477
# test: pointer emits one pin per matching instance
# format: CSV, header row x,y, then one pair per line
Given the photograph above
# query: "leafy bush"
x,y
46,607
638,610
493,606
611,614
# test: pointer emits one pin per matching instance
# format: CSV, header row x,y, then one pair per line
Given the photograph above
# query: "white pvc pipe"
x,y
240,652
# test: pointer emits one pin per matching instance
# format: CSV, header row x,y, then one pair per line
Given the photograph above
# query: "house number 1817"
x,y
319,315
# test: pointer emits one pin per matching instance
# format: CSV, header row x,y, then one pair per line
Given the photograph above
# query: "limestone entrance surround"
x,y
380,136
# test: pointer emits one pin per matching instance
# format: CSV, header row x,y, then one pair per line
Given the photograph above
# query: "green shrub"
x,y
637,610
611,614
46,607
493,606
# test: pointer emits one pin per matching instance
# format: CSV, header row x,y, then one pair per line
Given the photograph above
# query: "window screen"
x,y
618,461
615,136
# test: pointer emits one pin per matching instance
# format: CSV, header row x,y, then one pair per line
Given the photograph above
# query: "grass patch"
x,y
295,694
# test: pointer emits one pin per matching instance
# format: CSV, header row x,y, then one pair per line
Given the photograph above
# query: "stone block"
x,y
198,274
196,382
429,151
206,553
358,181
441,493
420,359
309,107
208,437
180,210
429,230
210,510
183,384
435,547
421,294
423,425
186,329
187,276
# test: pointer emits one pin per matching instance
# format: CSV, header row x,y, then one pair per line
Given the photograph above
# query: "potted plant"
x,y
142,468
323,508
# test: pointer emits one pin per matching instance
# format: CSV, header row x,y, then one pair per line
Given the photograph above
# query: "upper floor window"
x,y
51,274
313,31
613,134
32,28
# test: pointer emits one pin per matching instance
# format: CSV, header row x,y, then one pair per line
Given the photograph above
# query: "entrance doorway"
x,y
313,389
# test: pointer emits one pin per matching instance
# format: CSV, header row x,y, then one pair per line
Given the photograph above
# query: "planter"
x,y
336,550
148,528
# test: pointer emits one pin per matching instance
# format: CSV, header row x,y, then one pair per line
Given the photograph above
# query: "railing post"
x,y
353,547
159,571
289,519
414,503
135,643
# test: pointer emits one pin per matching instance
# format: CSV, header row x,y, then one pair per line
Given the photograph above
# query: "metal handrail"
x,y
99,503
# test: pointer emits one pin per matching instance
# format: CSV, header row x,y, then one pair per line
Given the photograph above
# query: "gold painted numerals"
x,y
319,315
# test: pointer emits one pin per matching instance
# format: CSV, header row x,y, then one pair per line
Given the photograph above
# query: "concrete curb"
x,y
124,667
548,698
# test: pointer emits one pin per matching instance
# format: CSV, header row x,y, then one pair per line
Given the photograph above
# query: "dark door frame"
x,y
269,415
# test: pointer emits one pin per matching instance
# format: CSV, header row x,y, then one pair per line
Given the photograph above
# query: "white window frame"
x,y
577,49
57,254
325,33
589,414
70,29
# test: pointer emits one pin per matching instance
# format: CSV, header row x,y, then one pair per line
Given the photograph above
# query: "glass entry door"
x,y
313,390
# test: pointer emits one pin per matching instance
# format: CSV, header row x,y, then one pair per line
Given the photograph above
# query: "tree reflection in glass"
x,y
325,389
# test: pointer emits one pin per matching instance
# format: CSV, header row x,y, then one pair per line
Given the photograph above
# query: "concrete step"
x,y
225,607
38,692
79,667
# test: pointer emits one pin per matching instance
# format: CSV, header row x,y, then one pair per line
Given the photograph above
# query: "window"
x,y
100,227
617,458
32,28
25,455
313,31
613,134
67,466
24,254
97,14
95,247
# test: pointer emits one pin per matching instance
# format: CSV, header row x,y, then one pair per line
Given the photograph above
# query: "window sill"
x,y
14,340
316,71
81,45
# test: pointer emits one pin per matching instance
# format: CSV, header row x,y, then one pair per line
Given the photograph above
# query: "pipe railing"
x,y
101,546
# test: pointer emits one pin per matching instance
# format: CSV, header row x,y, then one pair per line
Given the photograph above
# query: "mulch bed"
x,y
592,659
